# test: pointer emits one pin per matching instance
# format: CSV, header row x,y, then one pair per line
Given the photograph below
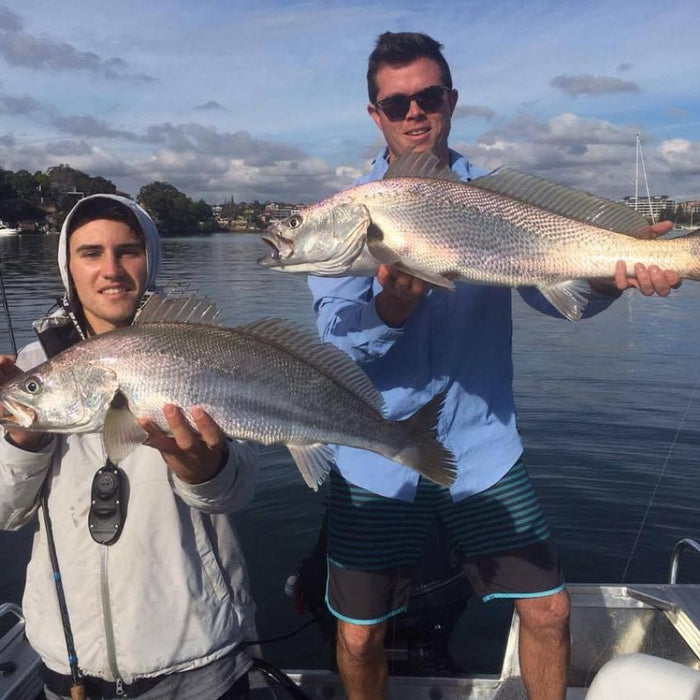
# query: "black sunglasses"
x,y
429,99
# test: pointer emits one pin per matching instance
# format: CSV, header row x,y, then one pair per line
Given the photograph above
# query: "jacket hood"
x,y
148,228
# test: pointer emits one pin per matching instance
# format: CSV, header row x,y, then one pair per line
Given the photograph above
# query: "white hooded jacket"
x,y
172,593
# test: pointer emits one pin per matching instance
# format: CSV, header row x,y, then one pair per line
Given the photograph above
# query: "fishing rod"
x,y
7,313
78,689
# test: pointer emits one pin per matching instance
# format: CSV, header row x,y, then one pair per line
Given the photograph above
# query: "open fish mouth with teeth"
x,y
280,246
13,413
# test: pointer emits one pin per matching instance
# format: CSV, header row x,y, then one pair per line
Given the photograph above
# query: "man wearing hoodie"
x,y
161,609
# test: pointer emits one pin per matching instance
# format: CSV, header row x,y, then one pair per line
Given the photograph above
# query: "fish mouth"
x,y
16,415
282,248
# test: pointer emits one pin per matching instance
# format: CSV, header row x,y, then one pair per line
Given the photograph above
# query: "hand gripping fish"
x,y
508,228
268,381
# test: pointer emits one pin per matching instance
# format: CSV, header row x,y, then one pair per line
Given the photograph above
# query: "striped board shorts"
x,y
500,537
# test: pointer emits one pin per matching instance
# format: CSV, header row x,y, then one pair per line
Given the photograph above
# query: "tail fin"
x,y
425,453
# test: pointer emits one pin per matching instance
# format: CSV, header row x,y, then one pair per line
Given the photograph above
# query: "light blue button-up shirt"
x,y
457,341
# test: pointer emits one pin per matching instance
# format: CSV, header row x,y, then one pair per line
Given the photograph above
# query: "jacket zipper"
x,y
109,629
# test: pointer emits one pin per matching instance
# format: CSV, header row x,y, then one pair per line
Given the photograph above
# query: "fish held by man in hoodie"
x,y
268,381
508,228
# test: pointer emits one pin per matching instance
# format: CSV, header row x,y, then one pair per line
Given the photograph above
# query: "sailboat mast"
x,y
640,160
636,175
646,183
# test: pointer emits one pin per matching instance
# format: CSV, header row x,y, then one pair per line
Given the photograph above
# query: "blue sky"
x,y
267,100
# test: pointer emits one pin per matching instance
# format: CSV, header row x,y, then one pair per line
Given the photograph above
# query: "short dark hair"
x,y
104,208
400,49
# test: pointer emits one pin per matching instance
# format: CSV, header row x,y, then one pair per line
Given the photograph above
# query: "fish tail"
x,y
425,453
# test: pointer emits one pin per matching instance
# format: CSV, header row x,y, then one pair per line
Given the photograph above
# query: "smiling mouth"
x,y
115,291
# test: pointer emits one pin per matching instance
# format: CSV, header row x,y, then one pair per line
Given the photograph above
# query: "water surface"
x,y
608,410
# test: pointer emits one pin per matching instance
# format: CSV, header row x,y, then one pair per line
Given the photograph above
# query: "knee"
x,y
549,613
360,643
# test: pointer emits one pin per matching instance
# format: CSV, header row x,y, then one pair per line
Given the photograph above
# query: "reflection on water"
x,y
606,407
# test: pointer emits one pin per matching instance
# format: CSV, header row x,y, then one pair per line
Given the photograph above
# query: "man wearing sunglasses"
x,y
415,342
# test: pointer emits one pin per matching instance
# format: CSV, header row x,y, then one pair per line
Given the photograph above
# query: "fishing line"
x,y
270,640
658,481
595,665
7,314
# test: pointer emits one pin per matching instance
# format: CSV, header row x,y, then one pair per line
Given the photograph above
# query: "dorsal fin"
x,y
334,363
178,308
423,164
565,201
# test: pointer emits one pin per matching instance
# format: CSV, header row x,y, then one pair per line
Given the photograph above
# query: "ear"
x,y
374,113
453,96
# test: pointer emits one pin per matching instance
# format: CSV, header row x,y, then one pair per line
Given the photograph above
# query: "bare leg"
x,y
545,646
361,660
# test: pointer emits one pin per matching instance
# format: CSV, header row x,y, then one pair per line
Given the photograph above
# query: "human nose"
x,y
112,265
414,110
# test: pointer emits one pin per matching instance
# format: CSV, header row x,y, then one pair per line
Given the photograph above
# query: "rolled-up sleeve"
x,y
231,489
22,474
346,316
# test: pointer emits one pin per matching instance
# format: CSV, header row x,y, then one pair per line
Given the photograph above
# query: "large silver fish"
x,y
268,381
508,228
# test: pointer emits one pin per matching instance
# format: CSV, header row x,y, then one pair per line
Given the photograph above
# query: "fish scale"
x,y
444,226
220,369
508,228
269,382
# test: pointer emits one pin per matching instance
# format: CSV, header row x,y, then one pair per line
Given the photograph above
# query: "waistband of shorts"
x,y
61,684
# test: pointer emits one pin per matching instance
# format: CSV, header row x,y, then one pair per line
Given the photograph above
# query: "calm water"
x,y
609,409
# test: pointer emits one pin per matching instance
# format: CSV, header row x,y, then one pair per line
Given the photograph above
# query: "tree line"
x,y
41,201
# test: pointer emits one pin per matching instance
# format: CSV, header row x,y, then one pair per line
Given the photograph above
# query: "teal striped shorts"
x,y
500,536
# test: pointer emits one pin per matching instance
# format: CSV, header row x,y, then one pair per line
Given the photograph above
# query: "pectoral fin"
x,y
122,433
434,279
384,255
314,462
569,298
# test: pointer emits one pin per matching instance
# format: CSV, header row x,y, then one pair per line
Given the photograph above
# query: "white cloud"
x,y
591,154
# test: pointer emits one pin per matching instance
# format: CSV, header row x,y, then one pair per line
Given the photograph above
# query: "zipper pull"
x,y
120,687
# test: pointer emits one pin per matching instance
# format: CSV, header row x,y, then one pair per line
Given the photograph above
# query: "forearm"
x,y
394,312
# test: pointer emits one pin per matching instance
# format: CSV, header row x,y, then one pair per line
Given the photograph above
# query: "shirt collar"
x,y
458,163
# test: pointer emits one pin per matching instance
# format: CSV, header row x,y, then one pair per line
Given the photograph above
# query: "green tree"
x,y
18,197
67,182
230,210
172,210
204,215
26,185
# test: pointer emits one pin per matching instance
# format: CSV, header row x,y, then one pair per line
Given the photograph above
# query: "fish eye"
x,y
295,221
32,385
